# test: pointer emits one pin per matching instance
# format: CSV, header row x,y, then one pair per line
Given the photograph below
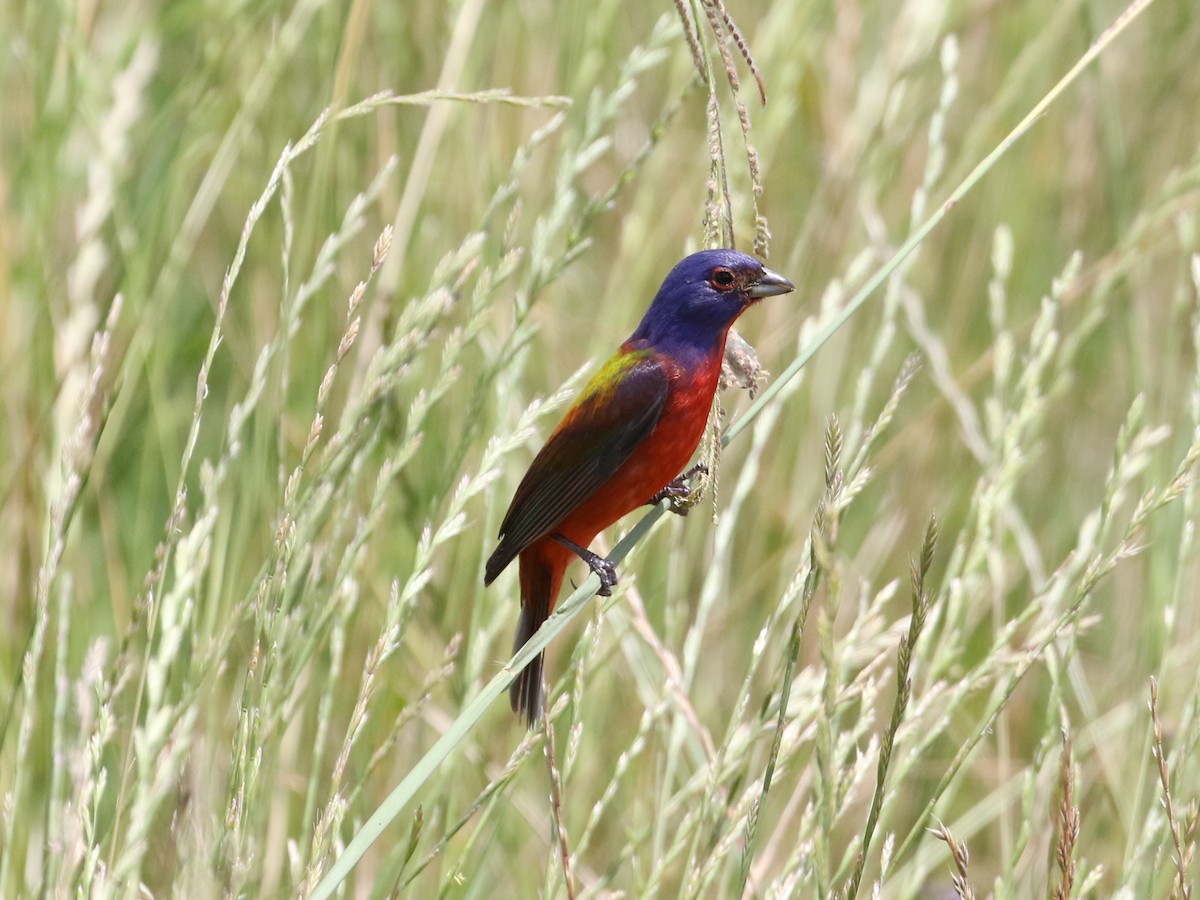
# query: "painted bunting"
x,y
625,438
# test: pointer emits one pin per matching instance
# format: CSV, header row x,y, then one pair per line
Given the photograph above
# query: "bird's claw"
x,y
678,493
605,570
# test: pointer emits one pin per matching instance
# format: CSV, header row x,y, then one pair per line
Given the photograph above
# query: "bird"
x,y
624,440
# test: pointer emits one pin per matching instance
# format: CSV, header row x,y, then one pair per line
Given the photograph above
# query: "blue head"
x,y
701,298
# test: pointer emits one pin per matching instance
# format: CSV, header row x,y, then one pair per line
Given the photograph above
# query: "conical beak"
x,y
769,284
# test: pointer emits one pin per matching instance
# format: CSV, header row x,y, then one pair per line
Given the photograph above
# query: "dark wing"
x,y
590,444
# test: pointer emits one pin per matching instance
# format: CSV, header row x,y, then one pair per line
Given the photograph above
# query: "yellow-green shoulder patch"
x,y
605,381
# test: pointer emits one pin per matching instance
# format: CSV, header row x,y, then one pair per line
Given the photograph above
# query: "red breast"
x,y
659,458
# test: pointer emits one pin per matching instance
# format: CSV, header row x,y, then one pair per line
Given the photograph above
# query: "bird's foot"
x,y
605,570
679,493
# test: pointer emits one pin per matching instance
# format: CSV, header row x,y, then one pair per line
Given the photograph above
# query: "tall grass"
x,y
289,296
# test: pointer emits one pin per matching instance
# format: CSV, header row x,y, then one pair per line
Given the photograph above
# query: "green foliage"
x,y
287,292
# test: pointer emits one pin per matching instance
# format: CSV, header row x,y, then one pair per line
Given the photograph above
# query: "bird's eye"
x,y
721,278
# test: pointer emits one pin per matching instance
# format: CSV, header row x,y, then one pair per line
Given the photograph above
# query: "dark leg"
x,y
606,571
678,490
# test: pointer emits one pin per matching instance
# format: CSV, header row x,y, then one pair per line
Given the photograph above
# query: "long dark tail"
x,y
539,584
526,692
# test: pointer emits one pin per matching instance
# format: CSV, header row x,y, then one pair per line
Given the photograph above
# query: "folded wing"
x,y
616,412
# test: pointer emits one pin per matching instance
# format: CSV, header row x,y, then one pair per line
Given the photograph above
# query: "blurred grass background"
x,y
245,503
